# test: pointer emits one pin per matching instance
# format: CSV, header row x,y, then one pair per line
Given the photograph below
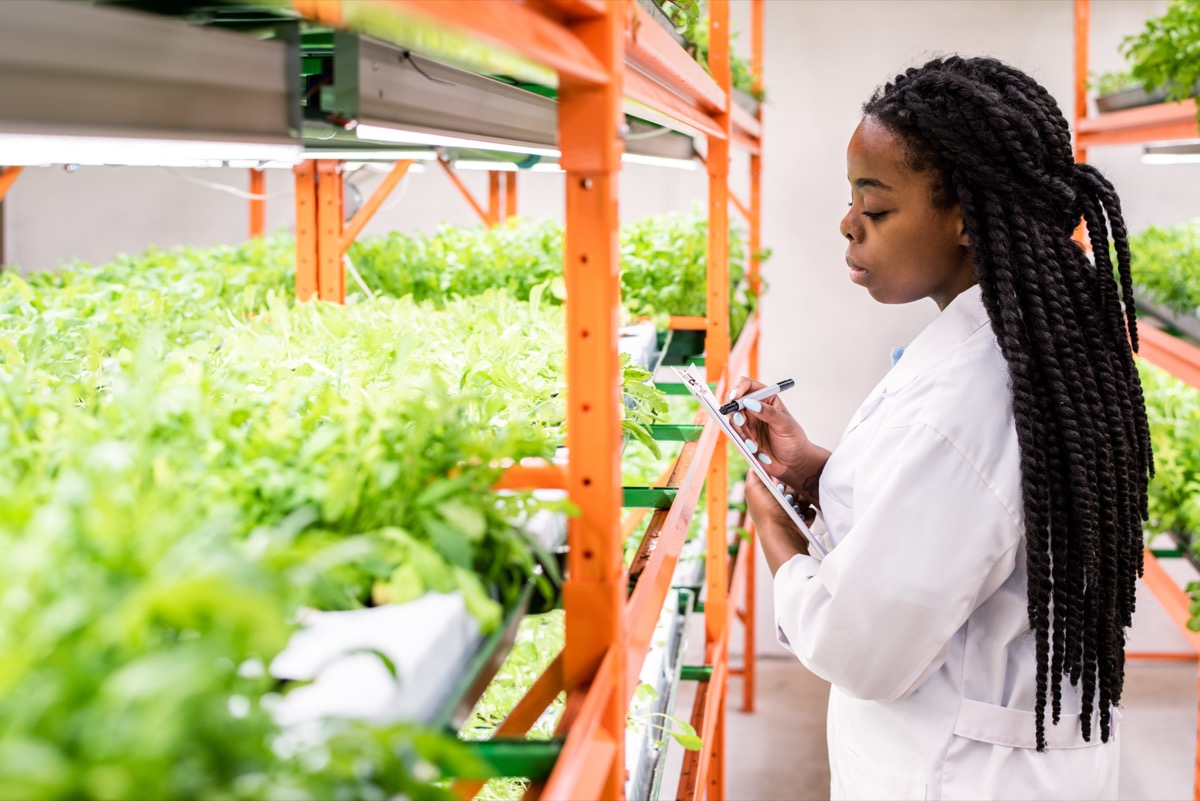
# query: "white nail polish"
x,y
731,395
752,405
762,457
752,446
779,487
739,419
788,498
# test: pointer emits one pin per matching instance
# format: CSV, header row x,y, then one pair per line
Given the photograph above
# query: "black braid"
x,y
999,148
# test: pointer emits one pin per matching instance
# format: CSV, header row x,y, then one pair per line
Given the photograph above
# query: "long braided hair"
x,y
1001,150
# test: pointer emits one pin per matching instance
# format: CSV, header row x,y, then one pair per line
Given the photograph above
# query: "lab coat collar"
x,y
963,317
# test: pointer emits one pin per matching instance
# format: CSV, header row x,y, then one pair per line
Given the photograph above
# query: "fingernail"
x,y
788,498
797,508
739,418
762,457
780,486
752,405
732,394
752,446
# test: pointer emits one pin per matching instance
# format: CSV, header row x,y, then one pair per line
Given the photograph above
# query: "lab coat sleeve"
x,y
929,542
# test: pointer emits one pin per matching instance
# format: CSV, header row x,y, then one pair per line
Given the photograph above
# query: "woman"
x,y
983,510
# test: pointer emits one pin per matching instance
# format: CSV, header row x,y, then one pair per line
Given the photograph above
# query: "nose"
x,y
851,226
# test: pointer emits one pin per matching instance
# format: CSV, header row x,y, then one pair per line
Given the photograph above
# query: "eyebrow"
x,y
875,183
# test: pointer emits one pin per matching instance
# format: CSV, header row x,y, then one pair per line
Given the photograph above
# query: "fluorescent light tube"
x,y
1174,153
659,161
504,166
358,154
34,149
379,133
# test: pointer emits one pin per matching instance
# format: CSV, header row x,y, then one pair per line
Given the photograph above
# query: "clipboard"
x,y
709,403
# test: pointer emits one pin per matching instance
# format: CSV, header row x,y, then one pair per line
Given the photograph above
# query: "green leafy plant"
x,y
1164,264
690,18
1109,83
1166,53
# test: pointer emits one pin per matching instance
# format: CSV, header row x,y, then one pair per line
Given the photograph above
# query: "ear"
x,y
963,239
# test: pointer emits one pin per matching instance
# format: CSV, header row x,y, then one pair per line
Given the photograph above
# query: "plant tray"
x,y
646,742
1128,98
1184,323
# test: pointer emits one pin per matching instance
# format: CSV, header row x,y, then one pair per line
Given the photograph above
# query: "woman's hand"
x,y
786,452
780,538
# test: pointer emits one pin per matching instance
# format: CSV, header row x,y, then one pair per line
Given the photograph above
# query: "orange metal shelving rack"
x,y
1162,122
605,52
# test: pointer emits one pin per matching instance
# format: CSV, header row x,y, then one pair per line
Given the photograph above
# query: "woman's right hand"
x,y
782,446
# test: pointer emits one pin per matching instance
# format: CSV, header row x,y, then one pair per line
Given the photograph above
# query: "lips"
x,y
857,273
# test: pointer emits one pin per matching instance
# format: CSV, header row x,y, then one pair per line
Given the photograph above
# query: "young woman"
x,y
983,510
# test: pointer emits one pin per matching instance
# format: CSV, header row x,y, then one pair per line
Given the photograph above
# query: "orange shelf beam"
x,y
306,230
651,50
1181,359
1158,123
364,214
532,476
520,28
644,90
583,763
569,10
681,323
745,122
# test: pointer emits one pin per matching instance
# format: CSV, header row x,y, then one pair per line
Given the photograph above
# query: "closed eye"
x,y
874,215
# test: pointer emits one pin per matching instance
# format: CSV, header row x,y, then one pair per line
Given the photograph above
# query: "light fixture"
x,y
506,166
363,154
37,149
402,136
659,161
1177,153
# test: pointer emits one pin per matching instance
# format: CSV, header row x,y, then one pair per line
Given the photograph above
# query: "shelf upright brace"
x,y
749,674
466,193
258,203
331,270
590,116
510,195
495,211
716,349
8,175
306,230
1083,24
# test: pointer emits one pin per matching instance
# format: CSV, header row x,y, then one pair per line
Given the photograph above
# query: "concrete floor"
x,y
779,752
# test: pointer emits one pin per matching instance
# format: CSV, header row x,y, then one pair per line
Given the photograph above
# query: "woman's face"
x,y
901,247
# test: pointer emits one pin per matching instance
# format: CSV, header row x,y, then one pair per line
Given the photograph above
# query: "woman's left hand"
x,y
780,538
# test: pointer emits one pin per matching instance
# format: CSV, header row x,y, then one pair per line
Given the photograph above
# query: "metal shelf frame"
x,y
609,57
1157,123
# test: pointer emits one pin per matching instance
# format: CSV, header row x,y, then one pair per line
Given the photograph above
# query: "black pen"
x,y
770,391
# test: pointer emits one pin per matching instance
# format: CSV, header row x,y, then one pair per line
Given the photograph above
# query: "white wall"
x,y
824,58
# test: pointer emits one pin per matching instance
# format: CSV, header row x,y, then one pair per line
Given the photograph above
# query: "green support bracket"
x,y
1167,553
695,673
676,388
676,433
532,759
649,497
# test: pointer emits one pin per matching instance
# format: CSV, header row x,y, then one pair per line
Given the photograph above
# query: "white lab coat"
x,y
918,615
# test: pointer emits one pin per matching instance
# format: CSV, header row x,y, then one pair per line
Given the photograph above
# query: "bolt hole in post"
x,y
585,183
583,259
587,482
587,407
588,554
584,333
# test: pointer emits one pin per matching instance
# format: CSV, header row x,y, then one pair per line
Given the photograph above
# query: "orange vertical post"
x,y
258,204
589,120
749,655
510,195
306,230
331,271
716,354
8,175
1083,23
495,213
